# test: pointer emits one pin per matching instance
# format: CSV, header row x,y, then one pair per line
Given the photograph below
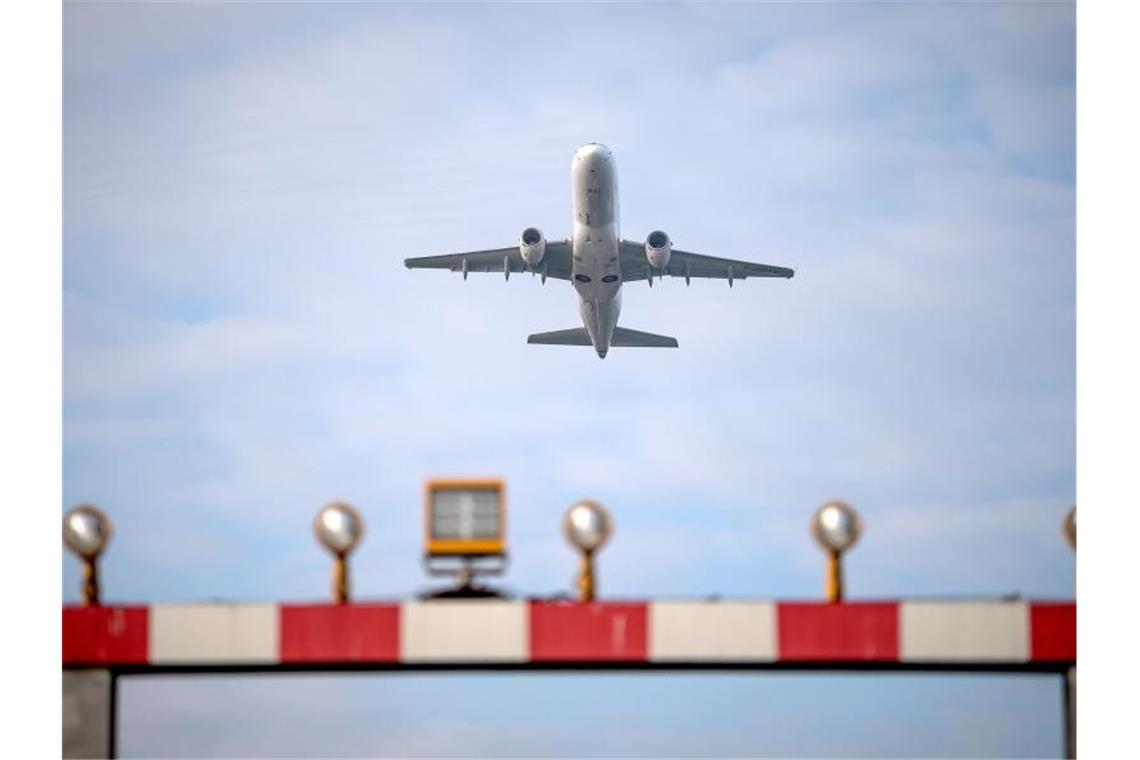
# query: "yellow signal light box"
x,y
465,517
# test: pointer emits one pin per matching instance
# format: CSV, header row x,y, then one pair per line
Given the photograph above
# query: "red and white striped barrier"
x,y
491,632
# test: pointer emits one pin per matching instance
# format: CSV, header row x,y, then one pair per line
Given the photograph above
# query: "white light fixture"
x,y
587,526
339,528
86,532
836,527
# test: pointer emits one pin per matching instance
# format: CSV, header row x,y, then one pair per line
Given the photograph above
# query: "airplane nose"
x,y
592,152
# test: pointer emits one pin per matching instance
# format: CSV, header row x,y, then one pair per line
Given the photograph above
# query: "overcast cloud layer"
x,y
242,342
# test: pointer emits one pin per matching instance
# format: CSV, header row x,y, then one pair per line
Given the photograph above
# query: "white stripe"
x,y
463,630
712,631
964,631
213,633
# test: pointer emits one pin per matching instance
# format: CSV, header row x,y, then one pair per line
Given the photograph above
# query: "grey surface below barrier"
x,y
88,704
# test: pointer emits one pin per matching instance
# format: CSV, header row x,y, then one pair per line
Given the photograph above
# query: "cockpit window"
x,y
610,278
582,277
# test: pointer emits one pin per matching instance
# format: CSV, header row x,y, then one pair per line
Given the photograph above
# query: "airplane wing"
x,y
555,262
635,266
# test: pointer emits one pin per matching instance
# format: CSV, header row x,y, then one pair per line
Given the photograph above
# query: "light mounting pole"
x,y
836,527
86,531
587,526
339,528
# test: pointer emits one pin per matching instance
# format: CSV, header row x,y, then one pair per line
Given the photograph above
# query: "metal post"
x,y
340,579
1070,689
834,577
88,713
90,582
586,579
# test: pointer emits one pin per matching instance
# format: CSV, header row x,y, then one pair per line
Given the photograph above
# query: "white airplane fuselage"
x,y
596,267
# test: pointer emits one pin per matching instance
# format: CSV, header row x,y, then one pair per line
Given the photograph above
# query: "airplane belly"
x,y
595,270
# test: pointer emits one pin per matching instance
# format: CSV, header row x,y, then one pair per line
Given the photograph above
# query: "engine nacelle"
x,y
532,246
658,246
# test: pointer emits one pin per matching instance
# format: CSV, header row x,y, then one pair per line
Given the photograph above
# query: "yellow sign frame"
x,y
458,547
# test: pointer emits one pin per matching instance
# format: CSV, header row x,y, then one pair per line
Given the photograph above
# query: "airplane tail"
x,y
622,338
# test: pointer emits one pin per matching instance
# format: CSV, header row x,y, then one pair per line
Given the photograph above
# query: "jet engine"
x,y
658,246
532,246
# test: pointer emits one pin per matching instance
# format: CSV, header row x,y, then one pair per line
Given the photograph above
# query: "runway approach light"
x,y
339,528
1069,528
836,526
587,526
465,523
86,531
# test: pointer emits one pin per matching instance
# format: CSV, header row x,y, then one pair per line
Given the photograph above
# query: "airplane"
x,y
597,261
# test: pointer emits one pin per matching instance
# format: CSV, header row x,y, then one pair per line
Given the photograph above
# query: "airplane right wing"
x,y
635,265
555,263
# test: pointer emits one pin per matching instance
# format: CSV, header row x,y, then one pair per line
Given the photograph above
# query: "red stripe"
x,y
594,631
105,635
1053,631
340,633
849,631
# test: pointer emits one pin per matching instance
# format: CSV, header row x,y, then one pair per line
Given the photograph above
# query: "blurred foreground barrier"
x,y
970,635
101,643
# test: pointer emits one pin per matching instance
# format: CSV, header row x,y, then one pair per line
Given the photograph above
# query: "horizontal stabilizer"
x,y
624,338
574,337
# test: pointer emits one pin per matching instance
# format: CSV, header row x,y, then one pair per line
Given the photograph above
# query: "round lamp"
x,y
86,531
836,527
339,527
587,525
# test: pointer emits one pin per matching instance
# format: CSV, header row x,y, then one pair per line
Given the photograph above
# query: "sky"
x,y
242,343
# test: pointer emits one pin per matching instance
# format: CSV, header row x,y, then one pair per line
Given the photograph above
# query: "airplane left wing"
x,y
635,265
555,262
